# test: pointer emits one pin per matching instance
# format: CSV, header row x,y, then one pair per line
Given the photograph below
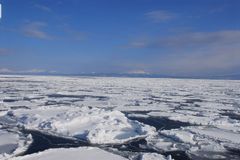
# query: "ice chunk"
x,y
12,143
155,156
180,135
96,125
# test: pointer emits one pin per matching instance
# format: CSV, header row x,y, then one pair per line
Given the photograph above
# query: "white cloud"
x,y
211,60
194,53
158,16
43,8
194,39
36,30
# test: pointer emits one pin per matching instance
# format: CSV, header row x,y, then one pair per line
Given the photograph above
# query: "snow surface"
x,y
96,125
84,153
99,109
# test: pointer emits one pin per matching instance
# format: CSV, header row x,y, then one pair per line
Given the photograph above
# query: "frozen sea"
x,y
54,117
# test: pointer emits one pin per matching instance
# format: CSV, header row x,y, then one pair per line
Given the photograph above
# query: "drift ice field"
x,y
51,117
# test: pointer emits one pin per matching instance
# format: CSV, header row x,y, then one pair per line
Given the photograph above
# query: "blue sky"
x,y
169,37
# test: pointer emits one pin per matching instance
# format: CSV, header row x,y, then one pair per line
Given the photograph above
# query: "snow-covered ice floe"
x,y
98,126
84,153
199,119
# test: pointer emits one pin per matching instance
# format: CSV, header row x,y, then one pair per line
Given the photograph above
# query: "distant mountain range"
x,y
135,75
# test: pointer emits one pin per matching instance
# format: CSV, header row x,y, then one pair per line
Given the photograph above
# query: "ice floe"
x,y
96,125
84,153
198,119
